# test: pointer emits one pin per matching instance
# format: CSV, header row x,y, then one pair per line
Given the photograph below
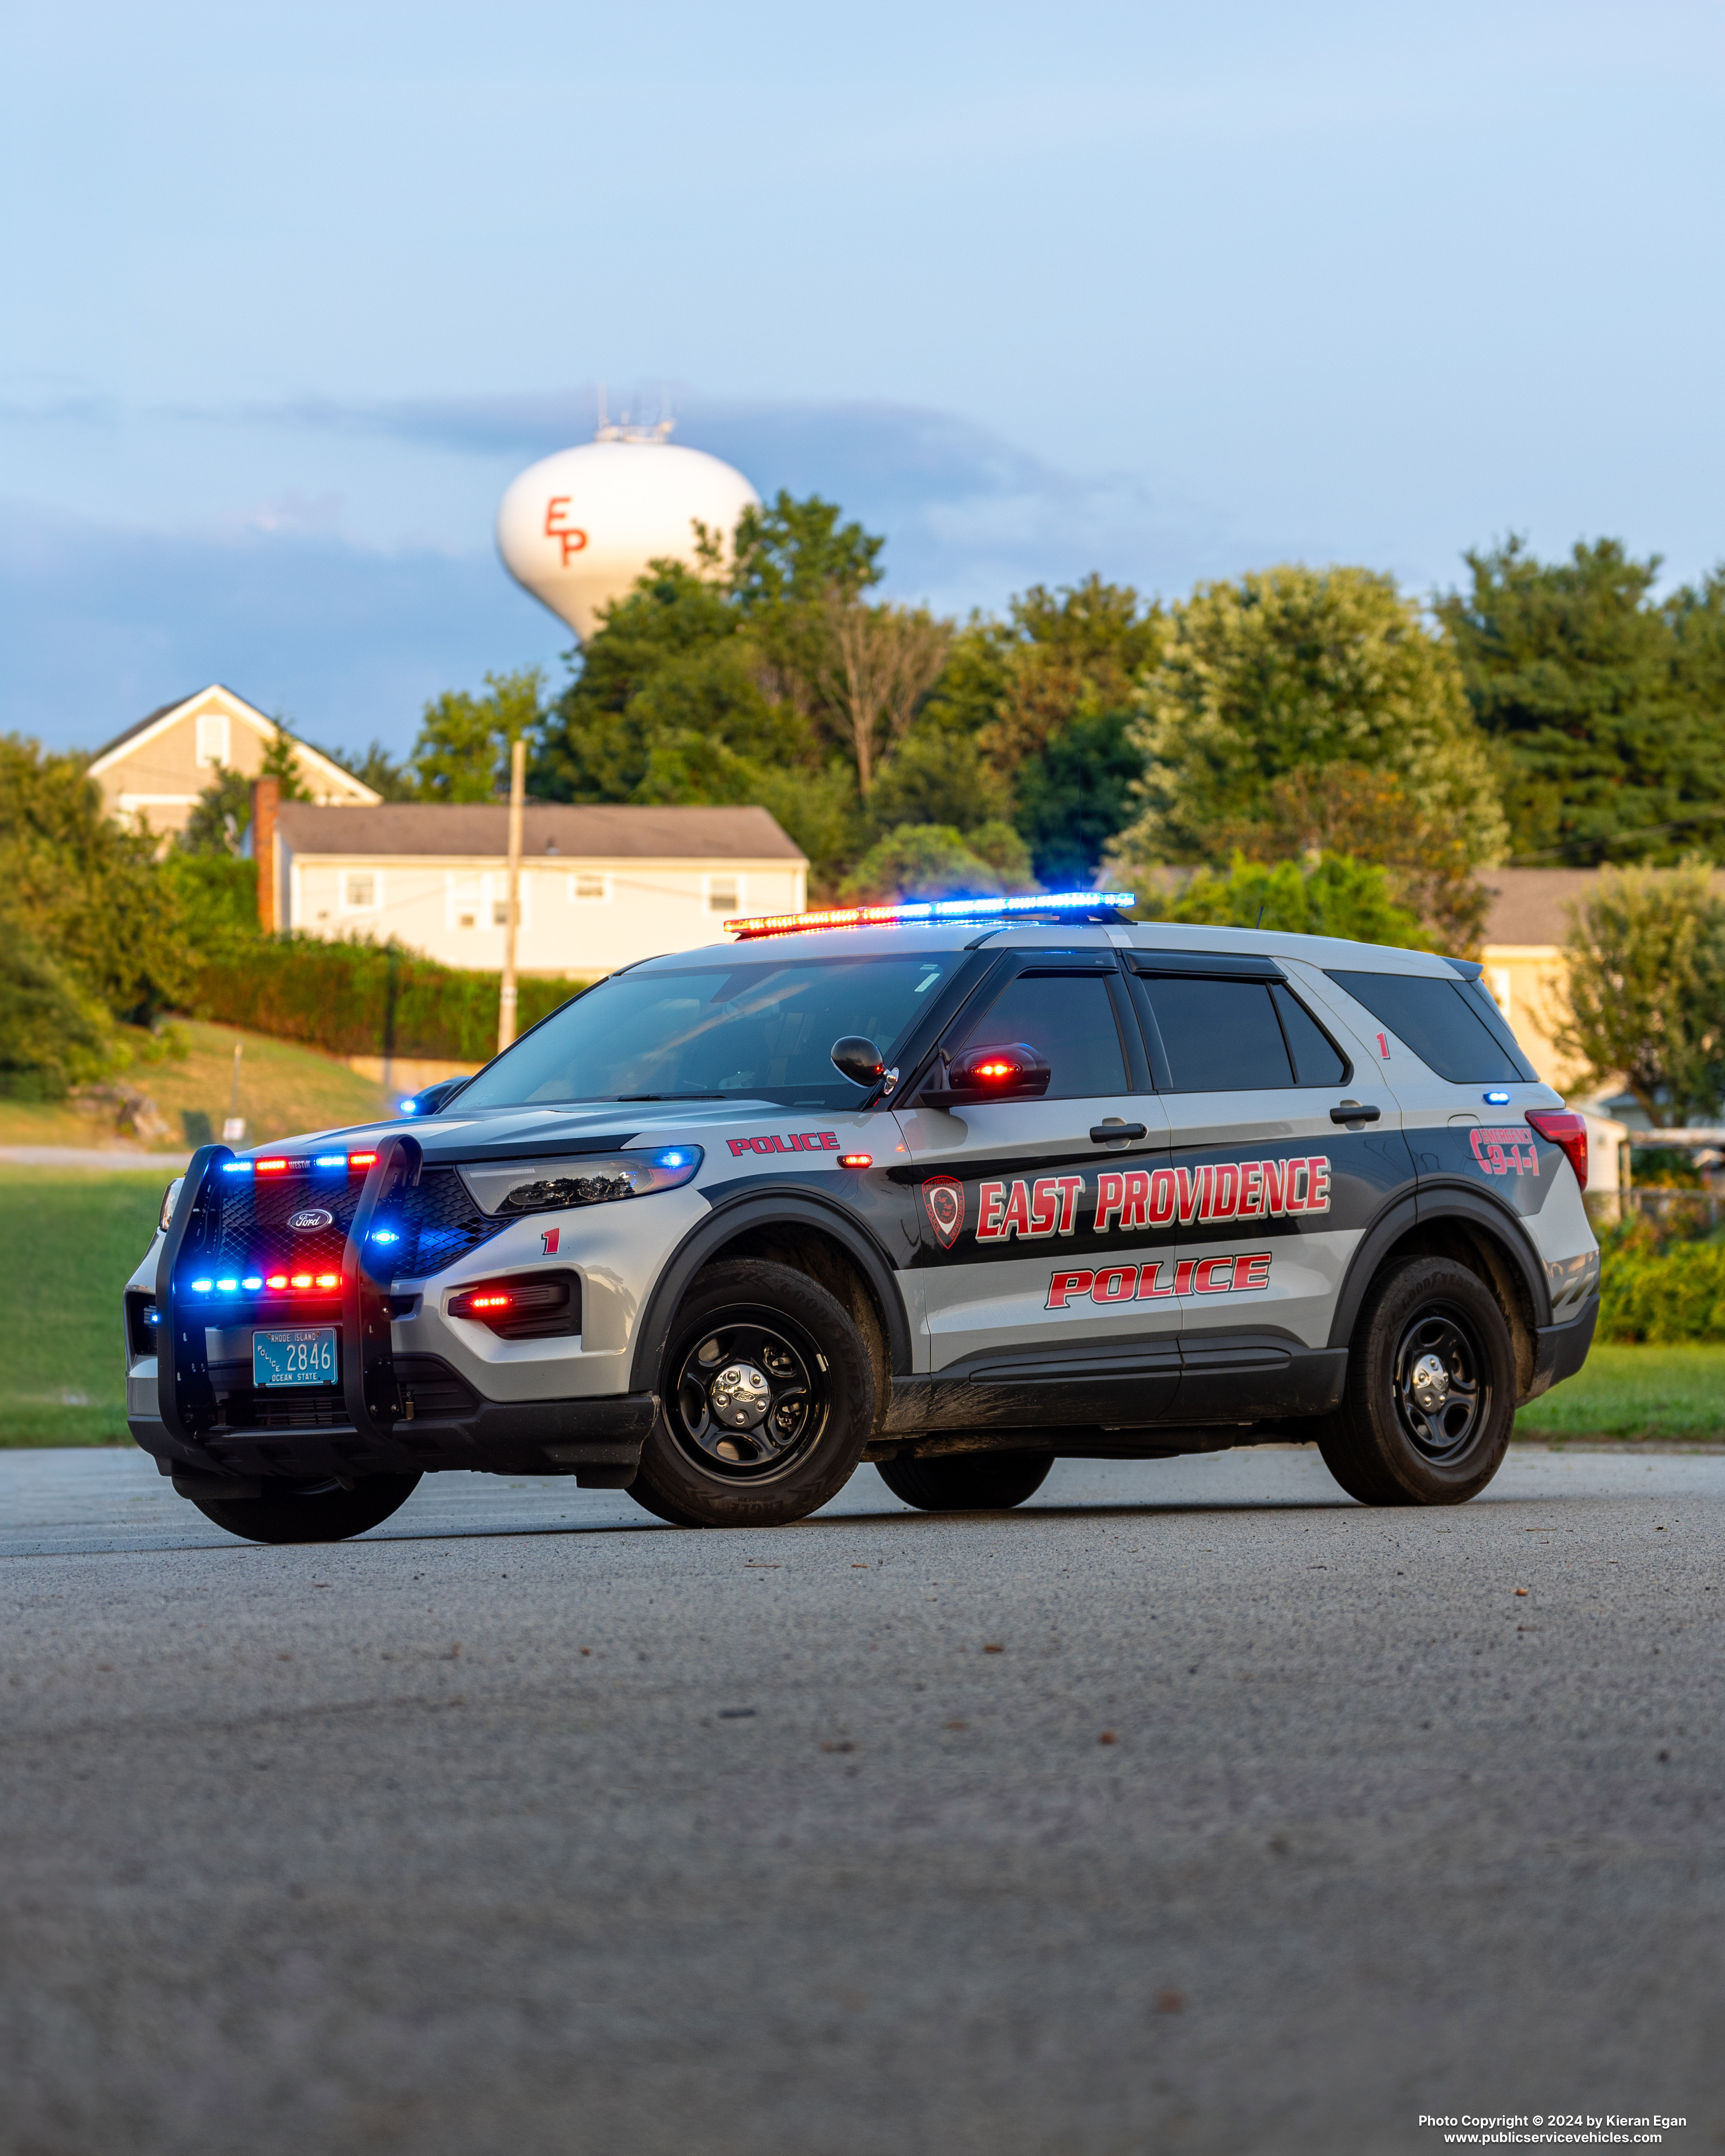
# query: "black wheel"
x,y
1431,1390
311,1511
967,1481
767,1399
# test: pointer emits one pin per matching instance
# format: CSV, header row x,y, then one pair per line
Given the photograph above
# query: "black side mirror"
x,y
855,1057
430,1100
1013,1072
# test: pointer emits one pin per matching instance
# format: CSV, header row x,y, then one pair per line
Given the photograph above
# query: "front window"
x,y
762,1029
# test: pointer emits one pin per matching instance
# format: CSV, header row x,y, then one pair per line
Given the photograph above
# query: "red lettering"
x,y
1275,1187
1251,1188
1224,1190
1318,1198
1018,1211
828,1141
1299,1184
1044,1206
1069,1186
1150,1283
740,1144
1111,1196
554,515
1183,1276
1253,1271
1061,1285
1137,1199
573,542
1162,1197
988,1198
1114,1284
1214,1276
1191,1193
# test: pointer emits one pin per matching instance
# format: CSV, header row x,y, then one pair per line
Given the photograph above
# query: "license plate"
x,y
306,1356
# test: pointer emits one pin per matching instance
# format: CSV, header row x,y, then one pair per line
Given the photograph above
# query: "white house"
x,y
601,885
155,770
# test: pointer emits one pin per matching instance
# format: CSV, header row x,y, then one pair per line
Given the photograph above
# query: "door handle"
x,y
1116,1133
1351,1111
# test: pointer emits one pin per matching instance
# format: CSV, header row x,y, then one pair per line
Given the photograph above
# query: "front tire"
x,y
767,1399
1431,1390
311,1511
967,1481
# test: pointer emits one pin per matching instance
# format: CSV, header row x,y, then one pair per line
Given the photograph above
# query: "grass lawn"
x,y
70,1245
1634,1393
71,1240
283,1089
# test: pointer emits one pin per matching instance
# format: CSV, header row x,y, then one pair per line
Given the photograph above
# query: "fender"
x,y
766,1210
1418,1209
183,1394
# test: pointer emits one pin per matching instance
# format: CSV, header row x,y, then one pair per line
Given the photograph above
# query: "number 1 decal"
x,y
1384,1046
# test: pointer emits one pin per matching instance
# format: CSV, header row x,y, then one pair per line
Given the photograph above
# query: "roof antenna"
x,y
1259,922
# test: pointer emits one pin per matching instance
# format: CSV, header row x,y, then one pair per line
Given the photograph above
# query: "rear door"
x,y
1034,1213
1270,1193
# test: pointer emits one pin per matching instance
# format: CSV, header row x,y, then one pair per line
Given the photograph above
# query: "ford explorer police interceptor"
x,y
961,1189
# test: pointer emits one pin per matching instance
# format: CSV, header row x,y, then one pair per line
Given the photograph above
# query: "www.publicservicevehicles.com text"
x,y
1543,2129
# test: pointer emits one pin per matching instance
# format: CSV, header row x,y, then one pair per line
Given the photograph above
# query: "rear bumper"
x,y
1560,1350
597,1441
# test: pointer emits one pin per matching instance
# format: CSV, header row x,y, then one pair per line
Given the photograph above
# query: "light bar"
x,y
253,1282
1097,903
275,1163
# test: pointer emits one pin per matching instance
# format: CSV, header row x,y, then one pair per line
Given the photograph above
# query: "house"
x,y
601,886
155,770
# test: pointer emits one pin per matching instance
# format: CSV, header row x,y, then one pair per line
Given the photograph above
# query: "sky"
x,y
1163,292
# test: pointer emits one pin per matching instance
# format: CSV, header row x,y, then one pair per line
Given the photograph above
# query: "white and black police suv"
x,y
961,1189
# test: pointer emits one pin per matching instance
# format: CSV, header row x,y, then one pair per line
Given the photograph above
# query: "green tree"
x,y
462,749
53,1034
1332,896
932,860
376,768
222,814
1645,990
1296,669
1603,703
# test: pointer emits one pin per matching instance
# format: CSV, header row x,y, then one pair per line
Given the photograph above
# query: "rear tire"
x,y
767,1399
310,1512
967,1481
1431,1390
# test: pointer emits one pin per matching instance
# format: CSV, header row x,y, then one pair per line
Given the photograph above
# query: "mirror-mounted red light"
x,y
1011,1071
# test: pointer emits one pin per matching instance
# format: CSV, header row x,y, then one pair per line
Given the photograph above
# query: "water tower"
x,y
577,528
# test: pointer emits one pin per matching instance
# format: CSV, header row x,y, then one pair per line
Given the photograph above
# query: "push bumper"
x,y
1560,1350
393,1414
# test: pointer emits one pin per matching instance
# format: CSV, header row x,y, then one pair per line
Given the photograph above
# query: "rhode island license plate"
x,y
306,1356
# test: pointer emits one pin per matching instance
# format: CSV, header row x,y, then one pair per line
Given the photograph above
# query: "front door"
x,y
1034,1213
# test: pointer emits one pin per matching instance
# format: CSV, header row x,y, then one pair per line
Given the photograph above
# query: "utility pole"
x,y
517,801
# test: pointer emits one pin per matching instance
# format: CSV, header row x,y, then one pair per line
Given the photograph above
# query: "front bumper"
x,y
1560,1350
391,1411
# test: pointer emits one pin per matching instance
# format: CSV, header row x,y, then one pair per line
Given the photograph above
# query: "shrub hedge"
x,y
361,999
1660,1290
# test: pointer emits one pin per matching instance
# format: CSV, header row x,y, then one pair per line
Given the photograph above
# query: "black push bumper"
x,y
1560,1350
393,1414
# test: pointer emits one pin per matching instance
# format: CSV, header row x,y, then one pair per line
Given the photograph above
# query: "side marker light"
x,y
1495,1100
856,1160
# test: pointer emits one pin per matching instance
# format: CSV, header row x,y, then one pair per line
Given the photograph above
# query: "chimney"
x,y
266,799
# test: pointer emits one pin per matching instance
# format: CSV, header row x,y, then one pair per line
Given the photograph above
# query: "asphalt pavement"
x,y
1191,1807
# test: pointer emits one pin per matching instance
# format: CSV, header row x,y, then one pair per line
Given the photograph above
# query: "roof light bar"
x,y
1094,904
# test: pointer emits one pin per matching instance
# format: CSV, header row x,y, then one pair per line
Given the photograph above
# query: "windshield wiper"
x,y
668,1096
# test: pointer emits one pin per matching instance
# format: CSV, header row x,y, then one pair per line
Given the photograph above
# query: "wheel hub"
x,y
740,1396
1430,1385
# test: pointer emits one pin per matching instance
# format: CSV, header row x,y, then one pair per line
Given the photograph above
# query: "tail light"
x,y
1565,1130
528,1307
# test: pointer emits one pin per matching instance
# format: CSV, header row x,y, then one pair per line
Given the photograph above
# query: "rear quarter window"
x,y
1453,1026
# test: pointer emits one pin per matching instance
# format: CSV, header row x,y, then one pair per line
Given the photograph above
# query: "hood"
x,y
520,1133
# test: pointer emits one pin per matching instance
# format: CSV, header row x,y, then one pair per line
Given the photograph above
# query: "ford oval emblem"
x,y
314,1216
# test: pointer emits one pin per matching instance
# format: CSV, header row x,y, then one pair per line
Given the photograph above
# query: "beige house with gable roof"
x,y
155,770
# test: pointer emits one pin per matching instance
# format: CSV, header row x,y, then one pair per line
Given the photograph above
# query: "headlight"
x,y
594,1178
170,1197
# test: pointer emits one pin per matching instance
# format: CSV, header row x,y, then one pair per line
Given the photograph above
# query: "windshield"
x,y
710,1031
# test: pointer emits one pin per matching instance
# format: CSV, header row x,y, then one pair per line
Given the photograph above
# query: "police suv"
x,y
960,1189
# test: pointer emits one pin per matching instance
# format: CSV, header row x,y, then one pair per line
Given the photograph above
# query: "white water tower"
x,y
577,528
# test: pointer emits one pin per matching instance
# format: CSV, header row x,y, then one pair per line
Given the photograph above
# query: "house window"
x,y
463,898
724,894
359,891
499,913
590,890
212,739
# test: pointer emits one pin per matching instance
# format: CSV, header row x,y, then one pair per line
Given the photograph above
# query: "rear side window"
x,y
1219,1036
1069,1018
1317,1060
1443,1023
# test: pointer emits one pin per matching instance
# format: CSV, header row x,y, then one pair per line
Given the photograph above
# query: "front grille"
x,y
436,1222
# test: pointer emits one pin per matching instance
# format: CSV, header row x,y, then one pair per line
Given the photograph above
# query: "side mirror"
x,y
855,1057
432,1100
1015,1072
